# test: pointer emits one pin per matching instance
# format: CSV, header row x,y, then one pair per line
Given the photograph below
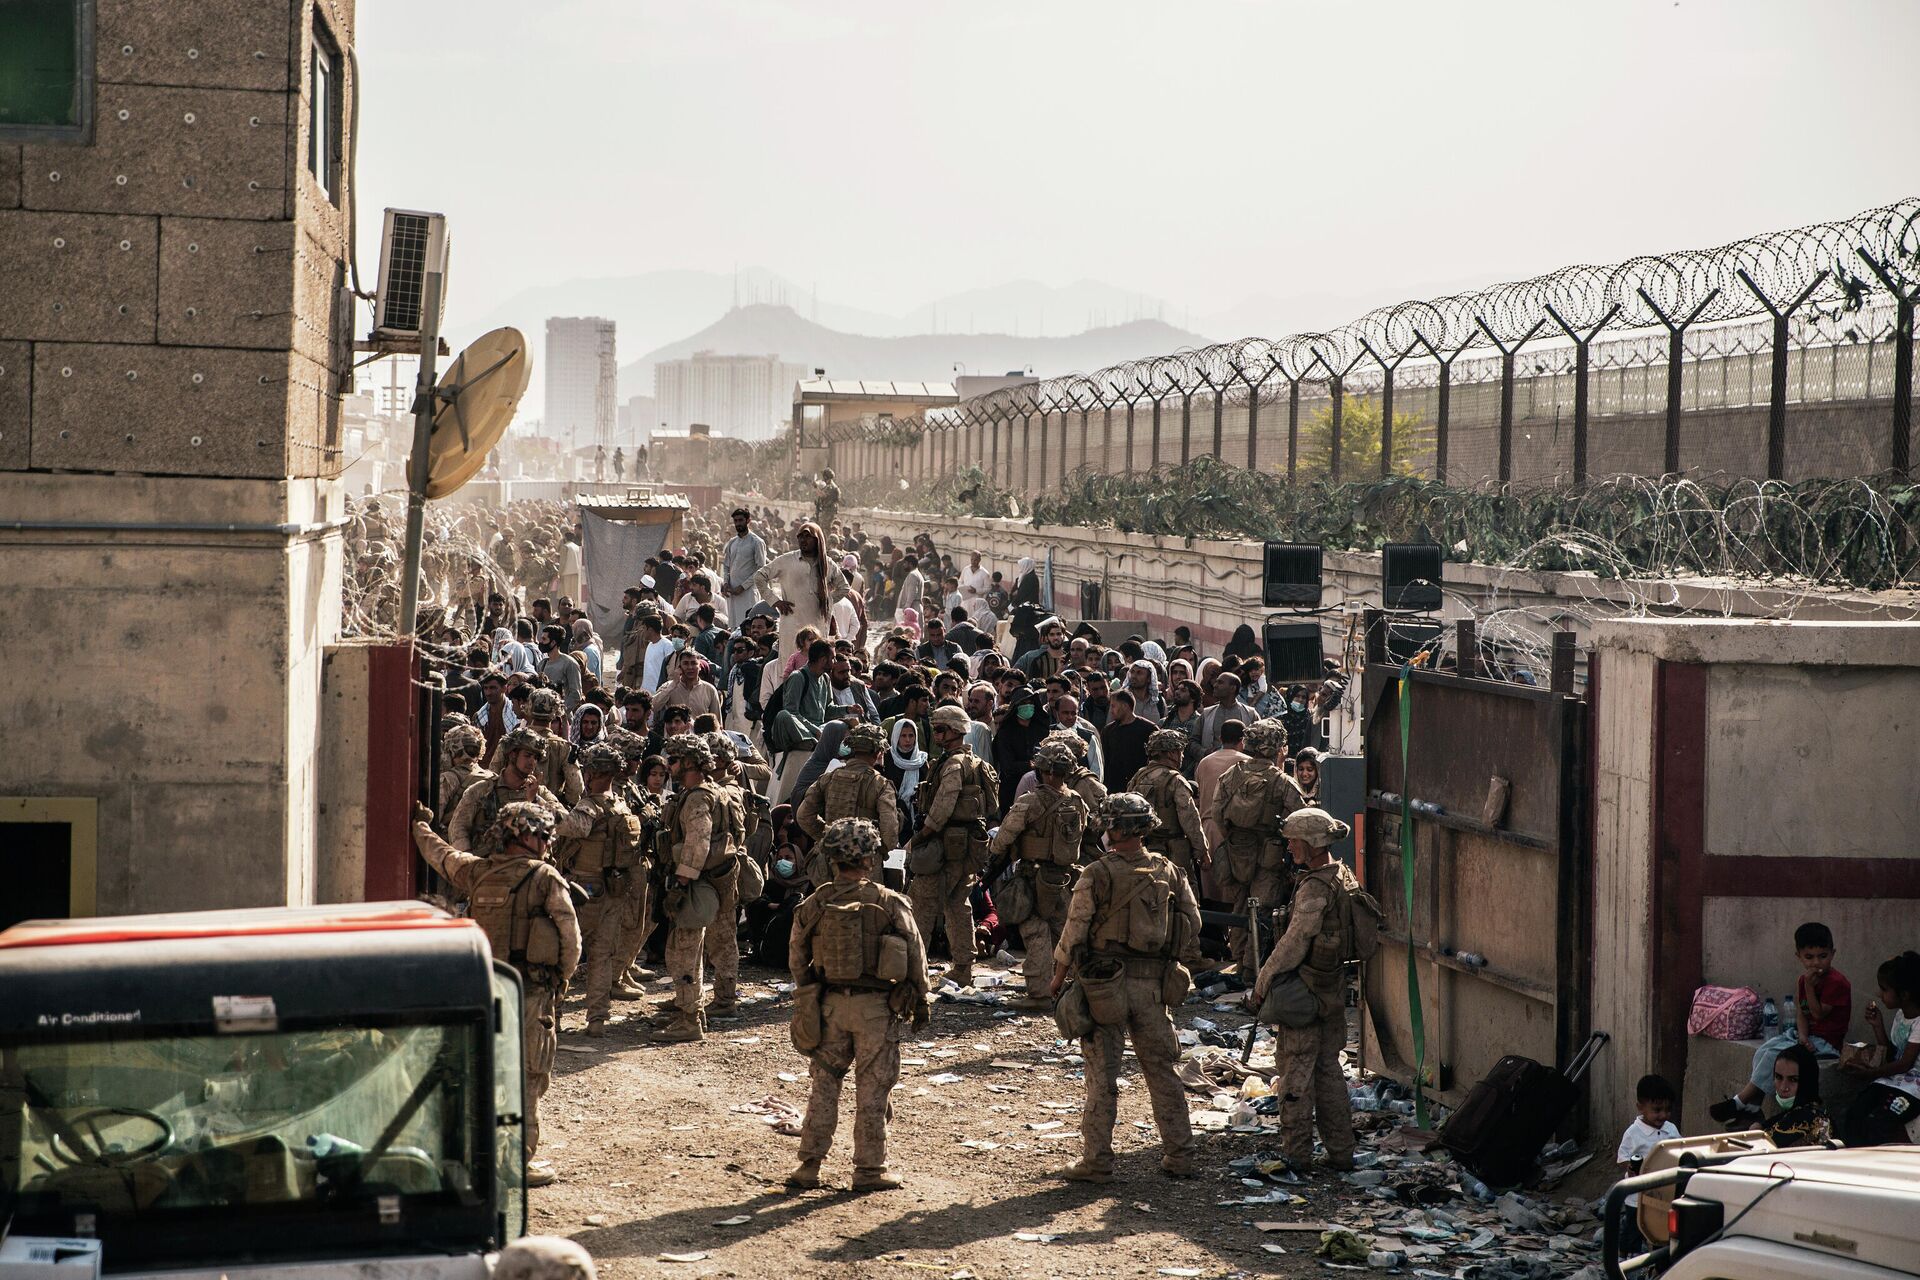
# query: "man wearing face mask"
x,y
561,671
1023,723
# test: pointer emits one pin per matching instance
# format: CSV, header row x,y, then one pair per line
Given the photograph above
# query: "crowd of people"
x,y
795,722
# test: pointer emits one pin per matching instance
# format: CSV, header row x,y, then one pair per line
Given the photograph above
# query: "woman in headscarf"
x,y
589,725
904,765
910,623
1026,584
1243,645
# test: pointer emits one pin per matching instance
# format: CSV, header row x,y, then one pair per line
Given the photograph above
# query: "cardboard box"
x,y
49,1258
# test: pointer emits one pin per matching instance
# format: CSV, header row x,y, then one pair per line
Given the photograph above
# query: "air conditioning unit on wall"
x,y
412,243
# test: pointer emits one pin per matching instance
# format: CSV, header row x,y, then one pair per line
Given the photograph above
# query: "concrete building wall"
x,y
174,343
1727,814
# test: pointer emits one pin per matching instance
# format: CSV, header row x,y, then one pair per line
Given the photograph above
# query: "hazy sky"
x,y
1201,151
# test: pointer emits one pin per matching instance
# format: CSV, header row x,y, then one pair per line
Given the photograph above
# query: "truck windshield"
x,y
116,1134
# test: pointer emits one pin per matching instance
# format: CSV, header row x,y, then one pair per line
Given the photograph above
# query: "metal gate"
x,y
1498,922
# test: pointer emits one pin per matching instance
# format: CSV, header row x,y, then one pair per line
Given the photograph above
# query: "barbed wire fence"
x,y
1785,356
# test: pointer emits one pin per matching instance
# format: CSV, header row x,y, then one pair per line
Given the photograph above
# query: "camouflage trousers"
x,y
947,896
539,1023
858,1030
600,938
1157,1050
1241,877
1313,1089
636,922
723,940
686,965
1038,934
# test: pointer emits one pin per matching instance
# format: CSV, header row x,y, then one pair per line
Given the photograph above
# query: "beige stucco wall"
x,y
182,677
1809,750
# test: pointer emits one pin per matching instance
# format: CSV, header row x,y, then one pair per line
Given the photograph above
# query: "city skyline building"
x,y
582,380
744,396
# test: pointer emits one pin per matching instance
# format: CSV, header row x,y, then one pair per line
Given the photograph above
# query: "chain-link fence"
x,y
1784,356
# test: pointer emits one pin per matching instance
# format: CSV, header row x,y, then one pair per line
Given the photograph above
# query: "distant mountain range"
x,y
925,357
1017,325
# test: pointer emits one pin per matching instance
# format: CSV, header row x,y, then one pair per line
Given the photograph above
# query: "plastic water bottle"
x,y
1383,1259
1786,1011
1770,1017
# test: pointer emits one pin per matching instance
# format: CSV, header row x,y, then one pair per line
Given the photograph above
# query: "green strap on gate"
x,y
1417,1017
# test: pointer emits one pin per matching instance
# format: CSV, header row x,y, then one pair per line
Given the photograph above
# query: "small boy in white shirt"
x,y
1653,1099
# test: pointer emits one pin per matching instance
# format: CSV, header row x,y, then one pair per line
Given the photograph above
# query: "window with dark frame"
x,y
46,70
323,125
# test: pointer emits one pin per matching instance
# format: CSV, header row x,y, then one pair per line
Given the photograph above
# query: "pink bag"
x,y
1725,1013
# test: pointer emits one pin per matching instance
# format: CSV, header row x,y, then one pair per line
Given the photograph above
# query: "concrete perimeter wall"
x,y
1750,776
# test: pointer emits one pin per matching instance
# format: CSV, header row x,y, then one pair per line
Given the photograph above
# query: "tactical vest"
x,y
854,944
1255,799
1133,910
502,903
491,804
852,792
555,758
1055,827
1159,785
969,774
1332,946
718,855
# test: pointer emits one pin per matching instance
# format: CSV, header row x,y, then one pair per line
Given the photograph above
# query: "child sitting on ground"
x,y
1653,1098
1822,1008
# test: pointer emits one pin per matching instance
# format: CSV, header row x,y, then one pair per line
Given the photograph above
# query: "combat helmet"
x,y
688,747
633,747
522,820
1067,738
950,718
523,738
464,740
866,737
1128,813
602,757
1053,757
850,842
1316,826
721,745
1161,741
1266,738
544,704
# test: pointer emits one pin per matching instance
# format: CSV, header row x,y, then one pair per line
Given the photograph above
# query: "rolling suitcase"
x,y
1498,1131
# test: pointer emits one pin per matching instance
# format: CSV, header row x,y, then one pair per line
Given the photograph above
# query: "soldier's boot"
x,y
540,1175
680,1030
625,990
1338,1163
875,1180
805,1175
1081,1171
718,1008
638,973
1034,1002
596,1027
1179,1167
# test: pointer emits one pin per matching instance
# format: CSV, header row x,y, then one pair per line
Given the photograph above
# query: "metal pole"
x,y
1293,426
1253,422
423,406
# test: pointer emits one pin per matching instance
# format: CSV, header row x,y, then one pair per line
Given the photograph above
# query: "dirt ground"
x,y
652,1161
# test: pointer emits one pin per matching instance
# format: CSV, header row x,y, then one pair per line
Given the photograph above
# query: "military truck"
x,y
305,1092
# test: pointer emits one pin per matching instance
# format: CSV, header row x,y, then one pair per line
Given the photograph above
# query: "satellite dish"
x,y
476,399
